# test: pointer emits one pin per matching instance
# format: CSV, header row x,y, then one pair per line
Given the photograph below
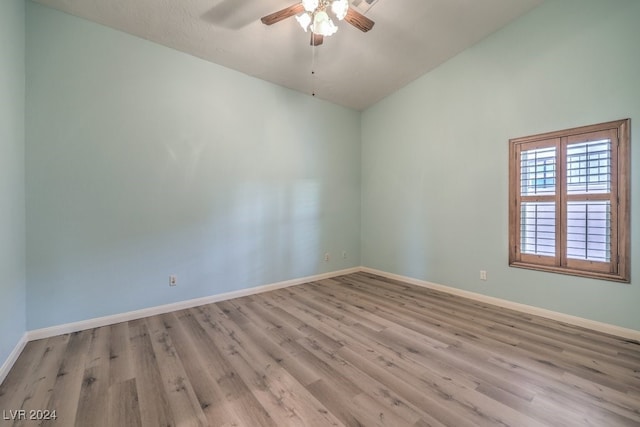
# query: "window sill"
x,y
571,272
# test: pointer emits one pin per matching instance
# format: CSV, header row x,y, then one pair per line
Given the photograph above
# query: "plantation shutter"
x,y
569,201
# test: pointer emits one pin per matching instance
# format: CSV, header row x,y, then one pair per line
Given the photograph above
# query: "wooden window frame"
x,y
619,267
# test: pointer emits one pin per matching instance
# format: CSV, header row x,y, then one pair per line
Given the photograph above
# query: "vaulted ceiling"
x,y
352,68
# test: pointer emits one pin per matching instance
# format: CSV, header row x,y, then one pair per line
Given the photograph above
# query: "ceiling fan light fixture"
x,y
323,25
312,16
340,8
304,20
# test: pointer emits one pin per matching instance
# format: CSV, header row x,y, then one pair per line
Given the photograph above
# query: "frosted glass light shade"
x,y
340,7
310,5
304,20
323,25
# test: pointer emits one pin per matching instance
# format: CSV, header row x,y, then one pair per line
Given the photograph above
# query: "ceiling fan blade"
x,y
282,14
316,39
358,20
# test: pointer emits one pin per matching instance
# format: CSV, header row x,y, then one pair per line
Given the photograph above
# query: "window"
x,y
569,201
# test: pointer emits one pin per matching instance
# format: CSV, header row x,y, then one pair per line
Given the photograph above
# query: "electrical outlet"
x,y
326,257
173,280
344,254
483,275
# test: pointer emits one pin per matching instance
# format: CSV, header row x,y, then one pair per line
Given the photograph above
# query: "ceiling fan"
x,y
312,15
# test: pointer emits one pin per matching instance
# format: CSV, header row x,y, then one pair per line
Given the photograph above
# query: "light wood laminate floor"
x,y
357,350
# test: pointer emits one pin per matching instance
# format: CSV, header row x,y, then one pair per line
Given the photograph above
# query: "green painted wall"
x,y
144,162
434,154
12,193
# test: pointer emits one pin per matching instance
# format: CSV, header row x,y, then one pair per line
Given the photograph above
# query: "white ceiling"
x,y
352,68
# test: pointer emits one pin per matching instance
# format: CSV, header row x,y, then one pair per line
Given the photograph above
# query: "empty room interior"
x,y
216,213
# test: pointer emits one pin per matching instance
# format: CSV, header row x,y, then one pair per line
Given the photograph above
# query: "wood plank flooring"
x,y
356,350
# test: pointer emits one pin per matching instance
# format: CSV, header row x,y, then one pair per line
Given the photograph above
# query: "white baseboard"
x,y
138,314
13,356
161,309
549,314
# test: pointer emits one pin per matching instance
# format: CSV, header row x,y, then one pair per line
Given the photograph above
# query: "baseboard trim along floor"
x,y
528,309
151,311
13,356
181,305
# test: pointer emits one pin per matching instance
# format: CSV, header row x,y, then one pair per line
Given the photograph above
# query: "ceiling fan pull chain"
x,y
313,68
